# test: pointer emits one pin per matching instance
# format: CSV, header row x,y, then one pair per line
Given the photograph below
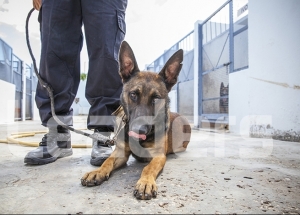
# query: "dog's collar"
x,y
121,121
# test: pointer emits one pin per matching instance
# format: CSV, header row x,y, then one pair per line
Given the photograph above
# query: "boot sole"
x,y
97,161
41,161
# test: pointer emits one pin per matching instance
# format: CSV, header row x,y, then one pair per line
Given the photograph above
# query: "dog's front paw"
x,y
94,178
145,189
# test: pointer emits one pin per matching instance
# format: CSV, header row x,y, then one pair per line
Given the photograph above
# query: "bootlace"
x,y
44,141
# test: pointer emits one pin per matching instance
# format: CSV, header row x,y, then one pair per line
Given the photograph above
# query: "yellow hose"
x,y
3,141
15,136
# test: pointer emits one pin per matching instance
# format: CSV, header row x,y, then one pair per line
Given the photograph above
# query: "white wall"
x,y
36,115
83,106
239,101
173,100
271,85
7,107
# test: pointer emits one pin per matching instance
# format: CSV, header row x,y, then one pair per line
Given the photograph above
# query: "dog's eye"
x,y
133,96
155,100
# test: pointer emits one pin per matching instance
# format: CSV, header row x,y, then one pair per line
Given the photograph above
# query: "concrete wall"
x,y
271,85
7,107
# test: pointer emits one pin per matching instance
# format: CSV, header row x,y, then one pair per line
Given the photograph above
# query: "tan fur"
x,y
146,86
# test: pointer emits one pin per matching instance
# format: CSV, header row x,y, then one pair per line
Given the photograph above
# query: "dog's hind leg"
x,y
179,133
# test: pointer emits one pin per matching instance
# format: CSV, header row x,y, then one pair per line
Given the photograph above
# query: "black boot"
x,y
100,150
55,144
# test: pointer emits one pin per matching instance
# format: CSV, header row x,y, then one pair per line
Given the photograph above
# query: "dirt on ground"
x,y
220,173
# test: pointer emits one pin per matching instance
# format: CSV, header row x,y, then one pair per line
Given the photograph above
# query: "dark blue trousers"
x,y
61,34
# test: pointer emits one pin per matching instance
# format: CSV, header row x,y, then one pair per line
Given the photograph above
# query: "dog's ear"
x,y
171,69
222,85
127,62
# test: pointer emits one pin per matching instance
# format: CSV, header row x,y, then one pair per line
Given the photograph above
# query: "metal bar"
x,y
216,98
231,42
215,29
242,68
220,8
240,30
178,98
220,24
187,76
206,40
200,62
11,67
207,56
216,68
173,46
32,89
210,30
222,50
220,35
215,116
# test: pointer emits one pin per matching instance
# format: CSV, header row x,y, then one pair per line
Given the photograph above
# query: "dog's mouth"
x,y
137,136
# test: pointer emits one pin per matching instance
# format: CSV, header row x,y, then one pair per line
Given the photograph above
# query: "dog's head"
x,y
145,94
224,90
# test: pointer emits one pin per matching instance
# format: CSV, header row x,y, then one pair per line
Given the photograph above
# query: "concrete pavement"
x,y
219,173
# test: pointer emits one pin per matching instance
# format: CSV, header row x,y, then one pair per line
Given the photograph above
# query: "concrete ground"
x,y
219,173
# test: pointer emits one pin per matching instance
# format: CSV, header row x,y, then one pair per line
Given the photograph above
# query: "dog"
x,y
223,105
150,131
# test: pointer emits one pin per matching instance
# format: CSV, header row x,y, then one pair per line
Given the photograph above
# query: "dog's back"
x,y
179,133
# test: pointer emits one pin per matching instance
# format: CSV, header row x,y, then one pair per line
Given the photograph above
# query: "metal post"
x,y
200,61
178,99
23,89
231,41
31,92
11,67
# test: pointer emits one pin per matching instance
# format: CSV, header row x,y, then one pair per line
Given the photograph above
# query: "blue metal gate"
x,y
12,69
17,81
217,47
28,93
218,56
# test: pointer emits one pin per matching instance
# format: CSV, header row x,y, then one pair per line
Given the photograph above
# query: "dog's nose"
x,y
140,129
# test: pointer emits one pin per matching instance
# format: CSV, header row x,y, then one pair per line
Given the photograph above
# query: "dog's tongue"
x,y
139,136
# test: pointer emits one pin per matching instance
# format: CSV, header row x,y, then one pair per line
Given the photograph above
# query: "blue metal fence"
x,y
12,69
214,64
186,44
17,72
223,49
5,62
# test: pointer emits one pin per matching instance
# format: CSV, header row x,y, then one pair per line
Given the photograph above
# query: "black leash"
x,y
95,135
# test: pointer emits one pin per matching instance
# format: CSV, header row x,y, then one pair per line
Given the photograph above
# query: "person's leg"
x,y
61,37
60,57
104,23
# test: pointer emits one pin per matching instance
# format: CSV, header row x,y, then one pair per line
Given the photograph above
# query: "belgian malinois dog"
x,y
223,105
150,131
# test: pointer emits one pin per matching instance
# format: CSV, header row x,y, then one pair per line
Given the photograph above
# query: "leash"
x,y
96,136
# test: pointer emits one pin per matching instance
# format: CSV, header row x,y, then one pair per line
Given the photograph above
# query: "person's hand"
x,y
37,4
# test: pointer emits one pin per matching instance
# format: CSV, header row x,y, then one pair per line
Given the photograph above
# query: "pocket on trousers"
x,y
121,21
120,33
